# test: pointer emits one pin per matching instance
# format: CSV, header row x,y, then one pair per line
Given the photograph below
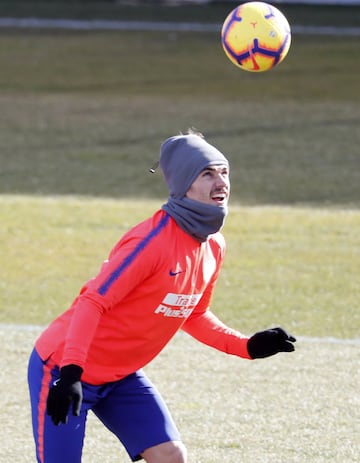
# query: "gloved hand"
x,y
269,342
65,391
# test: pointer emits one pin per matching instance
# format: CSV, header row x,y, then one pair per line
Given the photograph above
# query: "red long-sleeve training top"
x,y
157,280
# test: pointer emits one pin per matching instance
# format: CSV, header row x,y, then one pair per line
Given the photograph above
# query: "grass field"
x,y
294,266
82,107
82,118
298,408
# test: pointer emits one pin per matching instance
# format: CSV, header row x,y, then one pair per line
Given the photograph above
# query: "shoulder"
x,y
217,239
217,243
149,227
144,233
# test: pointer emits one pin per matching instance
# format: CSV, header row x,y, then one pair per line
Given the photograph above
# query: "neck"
x,y
197,219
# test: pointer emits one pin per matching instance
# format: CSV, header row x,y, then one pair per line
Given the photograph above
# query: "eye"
x,y
207,173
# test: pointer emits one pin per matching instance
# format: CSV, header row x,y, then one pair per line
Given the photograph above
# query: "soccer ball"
x,y
256,36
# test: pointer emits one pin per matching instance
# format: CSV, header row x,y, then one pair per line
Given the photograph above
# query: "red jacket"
x,y
157,280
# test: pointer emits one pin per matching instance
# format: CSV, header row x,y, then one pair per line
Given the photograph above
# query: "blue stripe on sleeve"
x,y
104,288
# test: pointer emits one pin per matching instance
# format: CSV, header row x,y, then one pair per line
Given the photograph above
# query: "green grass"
x,y
93,108
82,118
83,115
294,267
158,64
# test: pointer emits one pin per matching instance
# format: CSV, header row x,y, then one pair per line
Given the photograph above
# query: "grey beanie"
x,y
183,157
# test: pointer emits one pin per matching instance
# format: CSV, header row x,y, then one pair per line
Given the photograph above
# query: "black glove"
x,y
270,342
66,390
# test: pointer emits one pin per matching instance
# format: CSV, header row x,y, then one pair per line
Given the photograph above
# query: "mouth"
x,y
219,198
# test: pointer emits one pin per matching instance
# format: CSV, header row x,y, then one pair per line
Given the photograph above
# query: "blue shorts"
x,y
131,408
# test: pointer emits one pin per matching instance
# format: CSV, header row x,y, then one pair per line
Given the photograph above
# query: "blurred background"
x,y
86,102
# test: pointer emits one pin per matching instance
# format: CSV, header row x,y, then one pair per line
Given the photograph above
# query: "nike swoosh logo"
x,y
172,274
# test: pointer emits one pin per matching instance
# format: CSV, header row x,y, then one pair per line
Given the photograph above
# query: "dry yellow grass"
x,y
296,408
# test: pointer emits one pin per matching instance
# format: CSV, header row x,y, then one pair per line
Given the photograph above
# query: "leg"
x,y
169,452
54,444
136,413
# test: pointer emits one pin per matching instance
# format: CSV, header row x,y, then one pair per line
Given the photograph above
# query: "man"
x,y
158,279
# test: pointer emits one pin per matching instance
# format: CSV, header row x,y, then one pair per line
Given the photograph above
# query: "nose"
x,y
222,180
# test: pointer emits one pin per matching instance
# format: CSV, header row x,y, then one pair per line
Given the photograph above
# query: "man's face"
x,y
211,186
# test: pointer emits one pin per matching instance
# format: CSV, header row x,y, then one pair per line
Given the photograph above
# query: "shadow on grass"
x,y
306,170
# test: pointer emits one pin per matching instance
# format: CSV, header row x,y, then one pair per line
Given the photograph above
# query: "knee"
x,y
169,452
178,453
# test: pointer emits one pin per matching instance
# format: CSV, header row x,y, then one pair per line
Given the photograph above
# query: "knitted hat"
x,y
183,157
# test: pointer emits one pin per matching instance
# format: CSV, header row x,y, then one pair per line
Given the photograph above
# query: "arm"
x,y
128,266
122,272
88,310
208,329
204,326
